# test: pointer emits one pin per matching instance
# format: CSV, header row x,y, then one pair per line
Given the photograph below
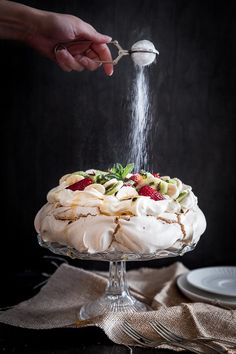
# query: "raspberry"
x,y
156,175
80,185
148,191
136,178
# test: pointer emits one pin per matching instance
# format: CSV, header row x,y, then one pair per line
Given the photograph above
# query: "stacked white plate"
x,y
216,285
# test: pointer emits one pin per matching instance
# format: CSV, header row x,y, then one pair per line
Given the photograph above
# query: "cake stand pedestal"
x,y
116,297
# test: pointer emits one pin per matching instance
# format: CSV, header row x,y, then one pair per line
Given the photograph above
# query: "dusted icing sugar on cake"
x,y
117,210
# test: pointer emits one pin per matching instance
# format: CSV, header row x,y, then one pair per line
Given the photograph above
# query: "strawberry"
x,y
156,175
80,185
136,178
148,191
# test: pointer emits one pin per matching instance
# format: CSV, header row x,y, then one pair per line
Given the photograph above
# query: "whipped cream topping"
x,y
90,196
113,216
126,201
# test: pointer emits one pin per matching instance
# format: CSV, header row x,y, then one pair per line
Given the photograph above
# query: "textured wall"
x,y
55,122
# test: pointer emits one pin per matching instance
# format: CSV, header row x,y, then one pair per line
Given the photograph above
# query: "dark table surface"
x,y
61,341
17,287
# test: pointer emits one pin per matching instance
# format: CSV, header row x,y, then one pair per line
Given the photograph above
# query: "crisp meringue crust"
x,y
92,221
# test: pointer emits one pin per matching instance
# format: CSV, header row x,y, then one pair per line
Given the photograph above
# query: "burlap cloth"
x,y
58,303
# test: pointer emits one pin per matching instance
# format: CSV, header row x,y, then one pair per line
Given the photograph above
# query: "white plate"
x,y
217,280
202,296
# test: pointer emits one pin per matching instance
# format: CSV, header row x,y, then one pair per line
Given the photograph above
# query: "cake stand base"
x,y
116,298
108,304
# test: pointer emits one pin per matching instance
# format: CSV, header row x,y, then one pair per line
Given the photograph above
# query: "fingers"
x,y
99,44
89,64
100,52
89,60
97,37
78,63
104,54
67,62
80,46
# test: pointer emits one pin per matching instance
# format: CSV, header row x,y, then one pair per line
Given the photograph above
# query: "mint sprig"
x,y
119,172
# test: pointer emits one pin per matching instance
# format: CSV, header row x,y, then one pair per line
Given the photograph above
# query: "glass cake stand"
x,y
116,297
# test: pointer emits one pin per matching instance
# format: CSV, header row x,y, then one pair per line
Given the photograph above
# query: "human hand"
x,y
52,28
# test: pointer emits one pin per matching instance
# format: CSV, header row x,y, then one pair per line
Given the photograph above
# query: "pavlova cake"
x,y
117,210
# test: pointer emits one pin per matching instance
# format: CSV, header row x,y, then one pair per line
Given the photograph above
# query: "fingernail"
x,y
59,47
110,73
62,51
108,38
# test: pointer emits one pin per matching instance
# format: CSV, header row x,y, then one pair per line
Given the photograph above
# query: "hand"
x,y
52,29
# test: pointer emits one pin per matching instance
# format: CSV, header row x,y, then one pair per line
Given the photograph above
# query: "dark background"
x,y
54,122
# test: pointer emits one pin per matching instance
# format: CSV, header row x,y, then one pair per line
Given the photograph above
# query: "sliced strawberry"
x,y
156,175
80,185
136,178
148,191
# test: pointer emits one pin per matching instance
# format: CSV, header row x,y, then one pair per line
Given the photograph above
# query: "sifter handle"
x,y
121,51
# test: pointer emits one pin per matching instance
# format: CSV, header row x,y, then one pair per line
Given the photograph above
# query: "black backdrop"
x,y
55,122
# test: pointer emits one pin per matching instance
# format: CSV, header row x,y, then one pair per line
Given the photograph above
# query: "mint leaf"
x,y
113,169
129,168
116,169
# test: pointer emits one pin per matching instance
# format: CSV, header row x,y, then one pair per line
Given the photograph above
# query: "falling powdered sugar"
x,y
141,119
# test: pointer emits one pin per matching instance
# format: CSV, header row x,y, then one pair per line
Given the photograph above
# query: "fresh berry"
x,y
148,191
80,185
136,178
157,175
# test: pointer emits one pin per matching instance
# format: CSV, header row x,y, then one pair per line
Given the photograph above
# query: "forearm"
x,y
17,21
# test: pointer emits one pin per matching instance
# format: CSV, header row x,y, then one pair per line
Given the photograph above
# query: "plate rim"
x,y
204,287
198,295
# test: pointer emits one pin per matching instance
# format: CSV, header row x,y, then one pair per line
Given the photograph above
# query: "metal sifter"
x,y
142,52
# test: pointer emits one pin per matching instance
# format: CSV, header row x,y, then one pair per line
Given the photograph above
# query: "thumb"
x,y
97,37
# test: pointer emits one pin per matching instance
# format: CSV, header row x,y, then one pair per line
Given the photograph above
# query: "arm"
x,y
43,30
